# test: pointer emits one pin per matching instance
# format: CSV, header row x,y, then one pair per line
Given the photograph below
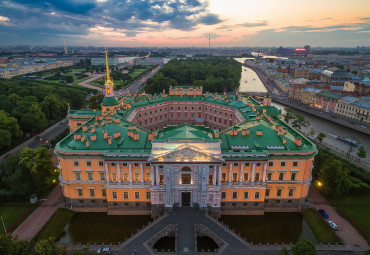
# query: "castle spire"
x,y
108,81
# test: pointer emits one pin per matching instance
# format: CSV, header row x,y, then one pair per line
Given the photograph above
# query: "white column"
x,y
214,175
130,172
241,173
141,173
264,172
253,168
118,173
156,176
230,171
106,173
152,175
219,175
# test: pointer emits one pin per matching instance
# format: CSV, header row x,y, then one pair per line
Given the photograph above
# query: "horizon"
x,y
179,23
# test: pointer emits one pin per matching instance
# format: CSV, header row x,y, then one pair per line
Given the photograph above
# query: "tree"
x,y
289,114
304,247
14,99
284,251
300,122
335,177
46,247
312,132
34,120
69,79
361,152
321,137
95,101
9,129
12,246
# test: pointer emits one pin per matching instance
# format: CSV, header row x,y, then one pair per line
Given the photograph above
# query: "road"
x,y
93,77
34,142
137,85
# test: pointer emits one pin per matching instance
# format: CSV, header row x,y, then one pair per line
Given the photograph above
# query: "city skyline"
x,y
180,23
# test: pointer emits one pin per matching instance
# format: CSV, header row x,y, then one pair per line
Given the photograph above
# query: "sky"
x,y
179,23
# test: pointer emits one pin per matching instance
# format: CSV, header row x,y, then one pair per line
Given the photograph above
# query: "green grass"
x,y
356,206
54,227
11,213
319,227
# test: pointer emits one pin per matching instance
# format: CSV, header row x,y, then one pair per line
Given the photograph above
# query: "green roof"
x,y
330,95
109,101
185,132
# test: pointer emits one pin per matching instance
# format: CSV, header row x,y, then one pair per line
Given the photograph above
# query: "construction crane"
x,y
65,48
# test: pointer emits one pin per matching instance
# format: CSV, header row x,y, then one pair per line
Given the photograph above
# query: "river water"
x,y
250,82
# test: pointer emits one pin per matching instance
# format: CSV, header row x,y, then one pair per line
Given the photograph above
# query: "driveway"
x,y
93,77
346,232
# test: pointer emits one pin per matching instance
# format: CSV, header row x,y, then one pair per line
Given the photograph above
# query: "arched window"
x,y
186,169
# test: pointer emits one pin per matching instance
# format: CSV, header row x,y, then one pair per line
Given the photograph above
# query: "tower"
x,y
109,86
65,48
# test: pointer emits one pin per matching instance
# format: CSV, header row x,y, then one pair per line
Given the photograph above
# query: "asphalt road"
x,y
34,142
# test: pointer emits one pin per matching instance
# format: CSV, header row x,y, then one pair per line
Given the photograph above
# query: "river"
x,y
250,82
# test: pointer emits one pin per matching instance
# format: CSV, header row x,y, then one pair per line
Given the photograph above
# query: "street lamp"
x,y
319,183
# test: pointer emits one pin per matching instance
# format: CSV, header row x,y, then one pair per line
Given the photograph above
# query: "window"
x,y
256,195
136,176
235,177
223,177
79,192
235,194
223,195
104,192
246,194
258,164
281,176
161,179
292,176
271,163
267,194
137,195
257,177
125,176
75,163
269,176
233,204
79,124
185,178
88,163
125,195
295,163
210,179
147,195
278,192
147,164
136,164
114,195
147,177
113,164
90,176
246,164
246,177
114,176
101,163
92,193
291,192
102,176
236,164
224,164
282,163
78,176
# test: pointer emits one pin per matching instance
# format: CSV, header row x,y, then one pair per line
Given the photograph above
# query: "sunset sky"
x,y
341,23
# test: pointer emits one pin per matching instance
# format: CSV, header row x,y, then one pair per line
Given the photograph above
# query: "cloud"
x,y
210,19
246,24
3,19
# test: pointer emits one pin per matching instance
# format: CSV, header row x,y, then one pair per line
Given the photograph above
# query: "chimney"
x,y
136,136
259,132
130,133
243,132
284,141
235,132
92,130
84,128
231,132
150,136
217,134
103,123
134,127
247,131
82,139
105,134
298,141
87,144
117,134
164,91
96,123
93,138
110,140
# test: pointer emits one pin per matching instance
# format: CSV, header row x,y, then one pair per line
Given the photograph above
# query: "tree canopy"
x,y
214,74
304,247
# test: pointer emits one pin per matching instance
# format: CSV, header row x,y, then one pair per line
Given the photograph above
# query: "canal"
x,y
250,82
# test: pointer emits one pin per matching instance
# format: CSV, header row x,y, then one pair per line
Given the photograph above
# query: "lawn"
x,y
54,227
319,227
357,207
12,212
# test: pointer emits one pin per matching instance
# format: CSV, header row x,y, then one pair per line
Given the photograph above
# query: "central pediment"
x,y
186,154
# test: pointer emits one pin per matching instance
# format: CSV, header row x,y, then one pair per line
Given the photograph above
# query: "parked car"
x,y
323,214
333,225
104,250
